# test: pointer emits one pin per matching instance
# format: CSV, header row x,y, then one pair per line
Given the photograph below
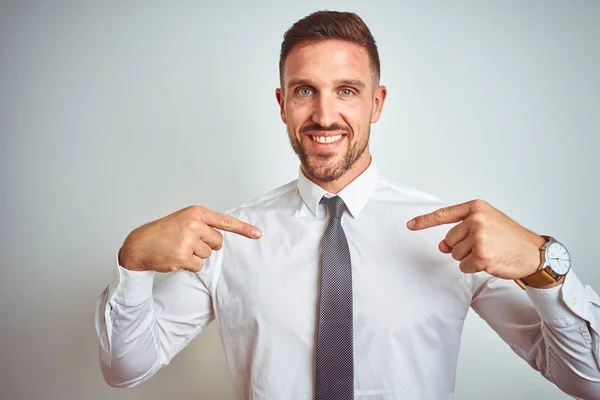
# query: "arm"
x,y
555,330
557,335
141,330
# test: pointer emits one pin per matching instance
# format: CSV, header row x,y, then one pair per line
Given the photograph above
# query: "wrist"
x,y
127,261
554,264
538,261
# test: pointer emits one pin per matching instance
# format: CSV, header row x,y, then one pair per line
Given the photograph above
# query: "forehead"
x,y
327,61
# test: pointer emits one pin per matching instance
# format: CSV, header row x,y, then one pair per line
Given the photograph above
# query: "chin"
x,y
325,171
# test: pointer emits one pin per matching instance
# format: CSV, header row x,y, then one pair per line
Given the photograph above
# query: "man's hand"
x,y
180,240
485,240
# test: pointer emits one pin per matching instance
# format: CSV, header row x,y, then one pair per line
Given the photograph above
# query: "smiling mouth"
x,y
325,139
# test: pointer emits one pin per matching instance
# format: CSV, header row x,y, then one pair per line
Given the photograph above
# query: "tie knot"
x,y
335,205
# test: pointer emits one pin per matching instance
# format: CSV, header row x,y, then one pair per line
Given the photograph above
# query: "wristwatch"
x,y
556,262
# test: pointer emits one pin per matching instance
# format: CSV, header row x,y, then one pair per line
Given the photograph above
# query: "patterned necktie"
x,y
334,378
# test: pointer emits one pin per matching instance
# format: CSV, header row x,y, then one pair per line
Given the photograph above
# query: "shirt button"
x,y
115,283
573,301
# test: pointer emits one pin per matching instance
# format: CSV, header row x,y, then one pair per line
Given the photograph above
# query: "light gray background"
x,y
114,114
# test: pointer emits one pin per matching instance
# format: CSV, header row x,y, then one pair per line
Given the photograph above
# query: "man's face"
x,y
328,101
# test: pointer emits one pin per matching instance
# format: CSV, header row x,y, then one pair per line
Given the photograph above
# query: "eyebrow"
x,y
341,82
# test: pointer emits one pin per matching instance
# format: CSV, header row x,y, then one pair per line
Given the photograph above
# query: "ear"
x,y
280,98
378,100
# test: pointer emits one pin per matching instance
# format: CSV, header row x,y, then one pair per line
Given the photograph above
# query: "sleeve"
x,y
141,328
555,330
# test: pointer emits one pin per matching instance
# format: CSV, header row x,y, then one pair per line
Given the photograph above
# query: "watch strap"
x,y
545,275
540,278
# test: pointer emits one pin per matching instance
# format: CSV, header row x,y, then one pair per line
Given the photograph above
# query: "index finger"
x,y
230,224
441,216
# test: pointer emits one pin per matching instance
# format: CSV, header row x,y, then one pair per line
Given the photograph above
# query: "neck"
x,y
353,172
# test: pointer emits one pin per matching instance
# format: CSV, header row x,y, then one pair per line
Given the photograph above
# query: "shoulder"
x,y
282,196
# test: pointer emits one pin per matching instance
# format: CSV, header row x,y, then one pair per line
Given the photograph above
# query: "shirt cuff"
x,y
562,305
130,288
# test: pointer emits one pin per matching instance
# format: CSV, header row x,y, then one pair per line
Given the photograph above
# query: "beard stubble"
x,y
313,164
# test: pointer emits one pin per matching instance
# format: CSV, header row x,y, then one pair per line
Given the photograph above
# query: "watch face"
x,y
558,257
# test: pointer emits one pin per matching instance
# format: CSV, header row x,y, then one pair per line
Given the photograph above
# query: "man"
x,y
319,288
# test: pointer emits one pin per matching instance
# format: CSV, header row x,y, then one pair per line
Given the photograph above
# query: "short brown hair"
x,y
323,25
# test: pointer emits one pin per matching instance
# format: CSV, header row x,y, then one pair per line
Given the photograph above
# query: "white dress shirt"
x,y
410,303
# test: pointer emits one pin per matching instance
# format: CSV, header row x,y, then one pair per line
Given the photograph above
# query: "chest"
x,y
400,279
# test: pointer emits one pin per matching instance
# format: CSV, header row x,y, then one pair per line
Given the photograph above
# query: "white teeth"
x,y
326,139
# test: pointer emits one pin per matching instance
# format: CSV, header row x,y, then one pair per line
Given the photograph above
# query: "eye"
x,y
305,91
346,92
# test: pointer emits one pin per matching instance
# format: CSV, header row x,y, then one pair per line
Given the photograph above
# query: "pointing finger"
x,y
441,216
228,223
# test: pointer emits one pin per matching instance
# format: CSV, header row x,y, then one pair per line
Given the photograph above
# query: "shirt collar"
x,y
355,194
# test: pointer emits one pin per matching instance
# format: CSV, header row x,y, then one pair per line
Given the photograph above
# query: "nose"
x,y
324,112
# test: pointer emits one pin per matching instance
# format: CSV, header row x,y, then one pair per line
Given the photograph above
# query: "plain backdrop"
x,y
113,114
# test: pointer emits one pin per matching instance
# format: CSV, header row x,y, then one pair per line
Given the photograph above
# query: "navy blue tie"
x,y
334,378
